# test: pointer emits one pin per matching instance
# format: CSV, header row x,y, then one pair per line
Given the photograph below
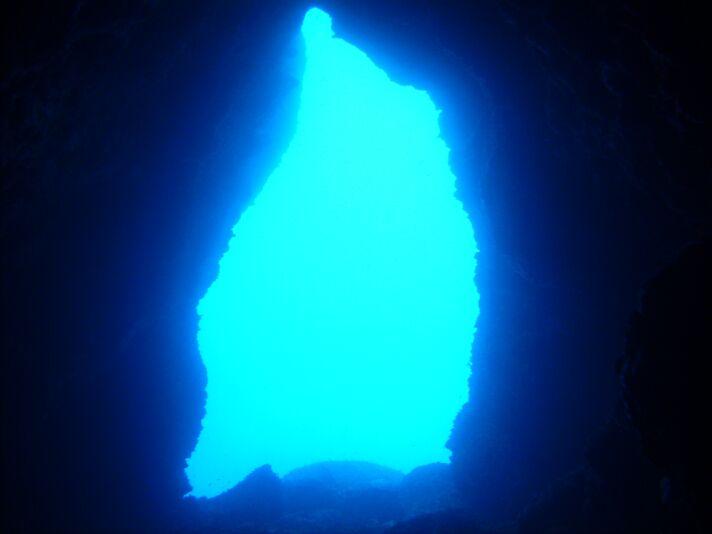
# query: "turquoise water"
x,y
341,322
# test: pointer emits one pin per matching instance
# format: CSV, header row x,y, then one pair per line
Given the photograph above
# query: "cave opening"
x,y
340,325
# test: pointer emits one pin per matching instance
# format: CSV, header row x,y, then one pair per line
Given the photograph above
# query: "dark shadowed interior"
x,y
134,133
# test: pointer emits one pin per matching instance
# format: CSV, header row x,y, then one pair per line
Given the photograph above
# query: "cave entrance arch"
x,y
341,321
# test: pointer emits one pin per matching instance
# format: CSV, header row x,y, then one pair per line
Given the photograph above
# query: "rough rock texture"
x,y
646,471
666,383
256,501
329,497
616,490
132,133
429,489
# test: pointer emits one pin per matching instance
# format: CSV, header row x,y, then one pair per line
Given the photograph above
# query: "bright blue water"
x,y
341,321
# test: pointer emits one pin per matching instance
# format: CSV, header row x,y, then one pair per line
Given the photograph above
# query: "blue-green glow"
x,y
341,322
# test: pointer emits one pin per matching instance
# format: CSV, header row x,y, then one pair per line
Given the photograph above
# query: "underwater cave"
x,y
341,322
355,266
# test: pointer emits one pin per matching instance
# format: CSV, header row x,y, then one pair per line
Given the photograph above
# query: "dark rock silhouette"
x,y
646,471
331,497
616,490
429,489
443,522
341,497
133,132
256,501
665,381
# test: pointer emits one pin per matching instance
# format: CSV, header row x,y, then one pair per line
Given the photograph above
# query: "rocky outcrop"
x,y
132,135
666,384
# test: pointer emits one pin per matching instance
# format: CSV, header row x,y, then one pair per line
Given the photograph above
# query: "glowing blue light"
x,y
341,322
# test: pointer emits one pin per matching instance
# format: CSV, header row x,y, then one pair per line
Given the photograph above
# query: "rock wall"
x,y
580,136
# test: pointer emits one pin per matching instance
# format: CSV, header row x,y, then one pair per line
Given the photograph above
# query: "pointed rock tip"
x,y
317,24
